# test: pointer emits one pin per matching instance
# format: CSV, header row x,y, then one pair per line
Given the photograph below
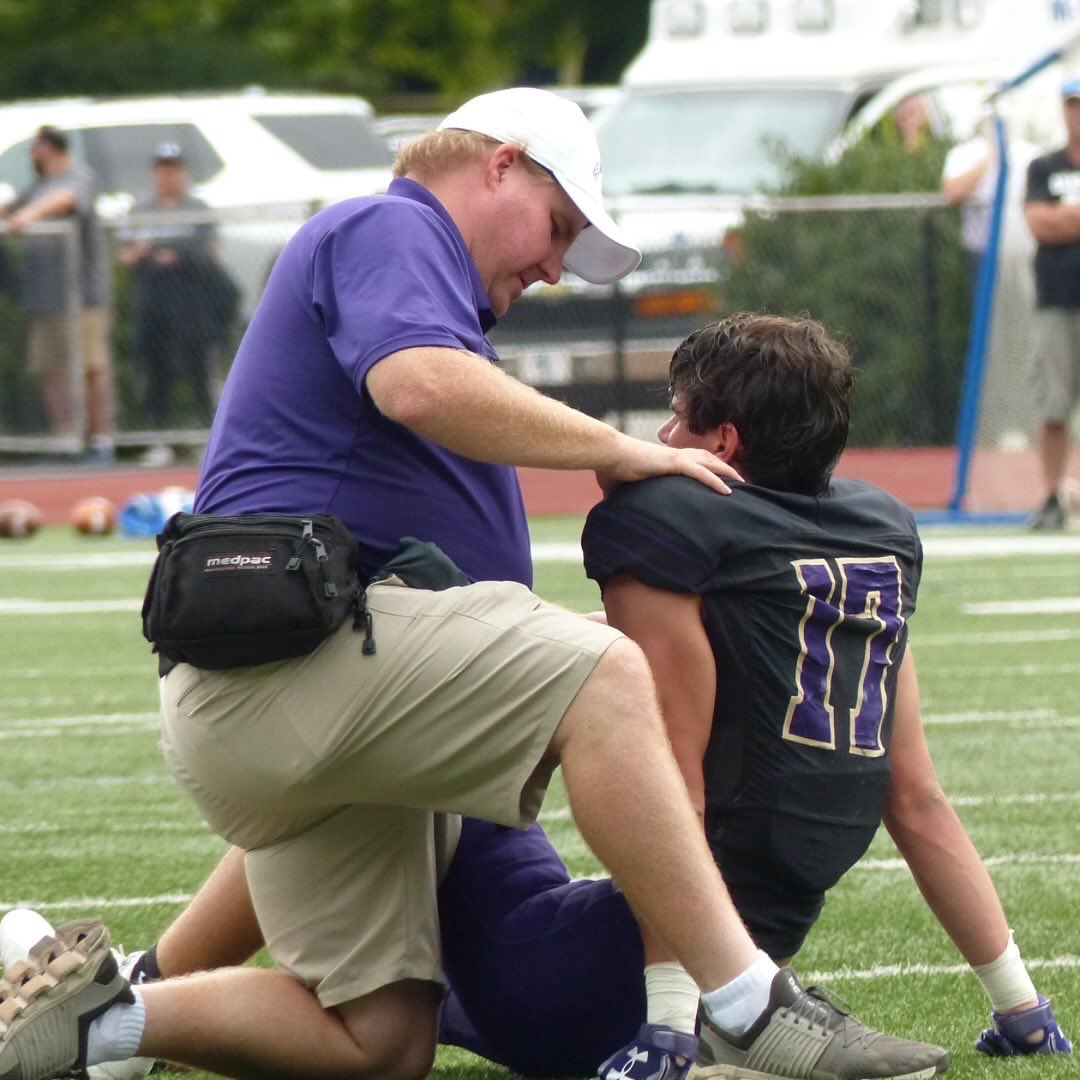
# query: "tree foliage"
x,y
891,280
383,49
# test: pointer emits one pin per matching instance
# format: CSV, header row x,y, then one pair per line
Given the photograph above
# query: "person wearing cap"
x,y
65,189
1052,209
179,295
365,386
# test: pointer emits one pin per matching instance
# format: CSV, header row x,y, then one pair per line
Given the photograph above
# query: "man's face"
x,y
528,226
170,179
1072,117
41,153
675,432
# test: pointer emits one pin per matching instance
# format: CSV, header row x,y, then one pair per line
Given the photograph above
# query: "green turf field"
x,y
92,825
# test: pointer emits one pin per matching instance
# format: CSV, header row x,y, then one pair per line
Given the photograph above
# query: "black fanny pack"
x,y
238,591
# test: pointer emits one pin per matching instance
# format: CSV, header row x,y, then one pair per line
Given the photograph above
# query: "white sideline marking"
x,y
96,903
101,561
996,637
977,716
67,607
1053,605
1009,859
967,547
947,547
894,971
1034,799
31,725
80,673
46,828
85,781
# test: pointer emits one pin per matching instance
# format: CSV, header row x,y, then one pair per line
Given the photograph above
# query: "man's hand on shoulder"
x,y
638,460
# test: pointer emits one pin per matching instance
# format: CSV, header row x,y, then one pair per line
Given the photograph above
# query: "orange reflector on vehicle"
x,y
680,302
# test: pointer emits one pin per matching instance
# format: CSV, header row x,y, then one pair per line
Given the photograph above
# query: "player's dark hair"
x,y
785,386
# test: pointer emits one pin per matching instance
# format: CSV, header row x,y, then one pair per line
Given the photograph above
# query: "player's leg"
x,y
544,972
631,805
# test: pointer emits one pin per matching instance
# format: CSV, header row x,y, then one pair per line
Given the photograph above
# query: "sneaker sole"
x,y
73,968
737,1072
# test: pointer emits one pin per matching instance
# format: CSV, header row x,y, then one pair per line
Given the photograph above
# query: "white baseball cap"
x,y
555,134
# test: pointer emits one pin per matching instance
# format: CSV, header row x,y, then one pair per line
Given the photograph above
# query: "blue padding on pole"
x,y
981,317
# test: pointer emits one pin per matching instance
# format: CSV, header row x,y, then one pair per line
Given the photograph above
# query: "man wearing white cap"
x,y
365,387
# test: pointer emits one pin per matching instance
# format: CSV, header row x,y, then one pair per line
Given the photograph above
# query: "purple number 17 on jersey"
x,y
852,622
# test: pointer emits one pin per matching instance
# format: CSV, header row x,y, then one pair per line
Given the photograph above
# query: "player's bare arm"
x,y
464,403
669,629
932,839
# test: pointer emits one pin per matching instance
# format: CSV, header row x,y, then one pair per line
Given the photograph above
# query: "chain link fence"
x,y
888,273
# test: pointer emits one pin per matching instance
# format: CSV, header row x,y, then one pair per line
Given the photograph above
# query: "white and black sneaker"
x,y
803,1035
48,1001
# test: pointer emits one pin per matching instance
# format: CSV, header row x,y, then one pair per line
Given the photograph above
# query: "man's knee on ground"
x,y
396,1029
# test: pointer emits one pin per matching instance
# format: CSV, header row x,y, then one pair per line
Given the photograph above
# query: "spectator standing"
x,y
1052,209
969,180
182,300
65,189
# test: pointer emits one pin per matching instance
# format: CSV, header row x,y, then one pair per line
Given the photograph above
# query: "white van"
x,y
263,159
721,83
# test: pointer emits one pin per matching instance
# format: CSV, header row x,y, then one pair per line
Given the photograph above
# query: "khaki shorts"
x,y
1055,364
330,769
49,345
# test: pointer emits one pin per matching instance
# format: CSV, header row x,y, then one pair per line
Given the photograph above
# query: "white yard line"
x,y
945,547
895,971
1048,605
30,724
67,607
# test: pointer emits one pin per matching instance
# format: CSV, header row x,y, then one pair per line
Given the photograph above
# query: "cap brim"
x,y
602,253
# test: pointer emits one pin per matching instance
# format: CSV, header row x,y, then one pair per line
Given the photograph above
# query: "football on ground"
x,y
19,519
93,516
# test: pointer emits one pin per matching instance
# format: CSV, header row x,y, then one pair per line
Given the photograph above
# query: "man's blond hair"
x,y
436,152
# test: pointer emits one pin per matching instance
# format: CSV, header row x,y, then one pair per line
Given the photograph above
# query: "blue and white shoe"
x,y
658,1053
1009,1035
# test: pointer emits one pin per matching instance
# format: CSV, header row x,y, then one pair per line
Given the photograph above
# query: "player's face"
x,y
676,433
526,237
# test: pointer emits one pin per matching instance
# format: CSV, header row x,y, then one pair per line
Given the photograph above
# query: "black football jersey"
x,y
806,601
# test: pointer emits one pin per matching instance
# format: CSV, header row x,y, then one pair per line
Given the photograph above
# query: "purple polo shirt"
x,y
296,431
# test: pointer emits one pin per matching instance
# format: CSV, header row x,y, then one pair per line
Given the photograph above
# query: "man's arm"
x,y
930,836
463,402
56,204
1053,222
669,629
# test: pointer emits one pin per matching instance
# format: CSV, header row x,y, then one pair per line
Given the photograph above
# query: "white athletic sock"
x,y
672,996
737,1004
115,1035
1005,980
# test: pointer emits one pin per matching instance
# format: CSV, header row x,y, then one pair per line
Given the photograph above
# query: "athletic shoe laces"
x,y
822,1008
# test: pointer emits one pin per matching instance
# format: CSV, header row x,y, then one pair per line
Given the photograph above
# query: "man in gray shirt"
x,y
65,188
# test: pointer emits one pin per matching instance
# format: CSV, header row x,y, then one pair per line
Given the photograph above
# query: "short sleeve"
x,y
391,278
1038,182
632,534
